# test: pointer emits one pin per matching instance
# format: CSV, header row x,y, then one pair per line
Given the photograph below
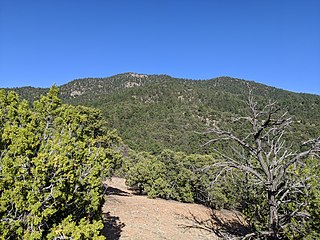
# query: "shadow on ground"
x,y
112,227
223,228
115,191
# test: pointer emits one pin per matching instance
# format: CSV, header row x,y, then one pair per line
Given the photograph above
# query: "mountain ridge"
x,y
154,112
138,75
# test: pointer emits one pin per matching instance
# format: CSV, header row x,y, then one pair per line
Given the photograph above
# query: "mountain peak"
x,y
136,75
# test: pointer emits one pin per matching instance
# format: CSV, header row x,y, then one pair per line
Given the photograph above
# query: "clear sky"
x,y
275,42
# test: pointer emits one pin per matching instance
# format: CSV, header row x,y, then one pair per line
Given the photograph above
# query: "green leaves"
x,y
81,231
169,175
52,159
310,228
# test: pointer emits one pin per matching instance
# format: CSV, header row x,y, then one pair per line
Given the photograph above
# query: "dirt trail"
x,y
137,217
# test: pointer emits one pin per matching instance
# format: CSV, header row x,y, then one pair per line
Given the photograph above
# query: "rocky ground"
x,y
136,217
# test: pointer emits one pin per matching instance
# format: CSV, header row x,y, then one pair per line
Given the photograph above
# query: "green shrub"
x,y
52,159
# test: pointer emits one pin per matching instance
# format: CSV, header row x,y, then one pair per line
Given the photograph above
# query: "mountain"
x,y
154,112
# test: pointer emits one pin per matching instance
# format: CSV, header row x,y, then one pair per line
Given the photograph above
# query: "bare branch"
x,y
265,154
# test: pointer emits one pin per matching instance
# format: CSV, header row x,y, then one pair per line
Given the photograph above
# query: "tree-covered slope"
x,y
154,112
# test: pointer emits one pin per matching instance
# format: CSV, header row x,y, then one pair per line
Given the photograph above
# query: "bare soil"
x,y
136,217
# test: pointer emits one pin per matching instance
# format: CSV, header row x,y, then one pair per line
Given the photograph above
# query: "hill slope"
x,y
153,112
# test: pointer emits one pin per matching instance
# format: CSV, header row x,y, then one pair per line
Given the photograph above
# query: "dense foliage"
x,y
169,175
52,159
182,177
310,229
157,112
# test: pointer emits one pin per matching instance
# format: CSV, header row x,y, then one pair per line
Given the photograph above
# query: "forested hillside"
x,y
262,160
156,112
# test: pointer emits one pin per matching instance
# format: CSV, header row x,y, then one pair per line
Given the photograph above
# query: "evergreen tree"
x,y
53,157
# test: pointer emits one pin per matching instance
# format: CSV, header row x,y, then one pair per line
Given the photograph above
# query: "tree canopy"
x,y
53,157
157,112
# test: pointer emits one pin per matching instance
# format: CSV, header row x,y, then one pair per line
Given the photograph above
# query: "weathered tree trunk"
x,y
273,215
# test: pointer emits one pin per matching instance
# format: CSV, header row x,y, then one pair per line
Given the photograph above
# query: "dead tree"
x,y
268,157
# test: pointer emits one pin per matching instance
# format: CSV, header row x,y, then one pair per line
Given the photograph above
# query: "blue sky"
x,y
275,42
